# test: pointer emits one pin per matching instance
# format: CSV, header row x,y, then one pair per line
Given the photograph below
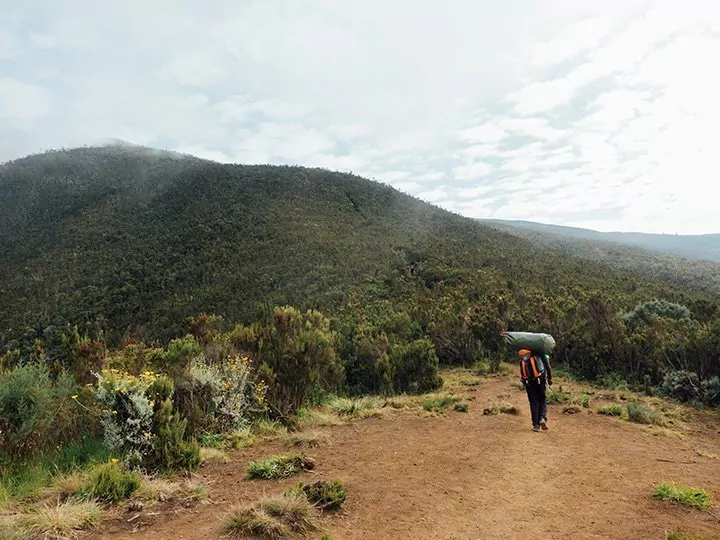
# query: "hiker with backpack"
x,y
535,371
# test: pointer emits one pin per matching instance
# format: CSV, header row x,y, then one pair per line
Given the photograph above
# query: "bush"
x,y
127,413
140,422
280,466
688,496
640,413
681,385
296,357
112,484
220,397
415,367
324,494
36,412
711,391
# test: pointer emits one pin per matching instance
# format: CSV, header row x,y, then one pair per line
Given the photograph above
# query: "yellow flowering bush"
x,y
127,412
233,394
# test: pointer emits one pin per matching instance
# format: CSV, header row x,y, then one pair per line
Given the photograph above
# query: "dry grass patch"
x,y
280,466
706,454
268,429
59,520
364,407
309,439
210,455
160,489
287,516
501,407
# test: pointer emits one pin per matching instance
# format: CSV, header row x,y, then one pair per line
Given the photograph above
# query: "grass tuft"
x,y
112,484
280,466
687,496
611,410
438,403
640,413
558,395
311,439
501,407
210,455
281,517
461,407
62,519
323,494
356,408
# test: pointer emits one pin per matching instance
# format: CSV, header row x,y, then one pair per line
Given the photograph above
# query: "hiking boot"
x,y
536,428
543,424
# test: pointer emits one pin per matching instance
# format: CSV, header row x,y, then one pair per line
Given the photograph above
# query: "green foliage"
x,y
112,484
296,356
611,410
688,496
461,407
324,494
711,391
438,403
37,411
415,367
640,413
280,466
645,312
558,395
681,385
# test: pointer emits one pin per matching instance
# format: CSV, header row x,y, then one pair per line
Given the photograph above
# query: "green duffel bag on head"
x,y
539,343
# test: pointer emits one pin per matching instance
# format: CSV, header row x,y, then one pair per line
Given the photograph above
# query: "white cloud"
x,y
21,101
471,171
600,113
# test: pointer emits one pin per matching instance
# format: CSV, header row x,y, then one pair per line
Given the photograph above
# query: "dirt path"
x,y
471,476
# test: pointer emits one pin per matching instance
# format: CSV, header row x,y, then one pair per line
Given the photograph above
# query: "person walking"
x,y
535,373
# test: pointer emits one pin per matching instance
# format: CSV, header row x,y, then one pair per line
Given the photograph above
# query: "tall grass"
x,y
23,479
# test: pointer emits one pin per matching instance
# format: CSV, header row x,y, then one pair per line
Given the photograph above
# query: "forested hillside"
x,y
702,275
135,242
697,247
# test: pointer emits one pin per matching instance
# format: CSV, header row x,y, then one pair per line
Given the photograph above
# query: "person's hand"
x,y
550,383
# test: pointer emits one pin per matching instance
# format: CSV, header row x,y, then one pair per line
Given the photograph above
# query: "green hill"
x,y
659,259
697,247
135,241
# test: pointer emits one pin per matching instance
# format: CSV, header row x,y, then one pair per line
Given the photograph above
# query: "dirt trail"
x,y
471,476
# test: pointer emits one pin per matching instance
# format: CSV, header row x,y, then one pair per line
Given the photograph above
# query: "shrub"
x,y
711,391
280,466
324,494
127,413
140,423
681,385
112,484
296,357
611,410
688,496
37,412
415,367
220,396
640,413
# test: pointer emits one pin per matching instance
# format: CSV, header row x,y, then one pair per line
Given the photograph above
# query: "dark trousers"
x,y
538,404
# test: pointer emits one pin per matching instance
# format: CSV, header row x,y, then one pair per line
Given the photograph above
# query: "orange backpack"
x,y
531,366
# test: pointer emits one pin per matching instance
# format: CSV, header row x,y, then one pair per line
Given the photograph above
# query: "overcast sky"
x,y
595,114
